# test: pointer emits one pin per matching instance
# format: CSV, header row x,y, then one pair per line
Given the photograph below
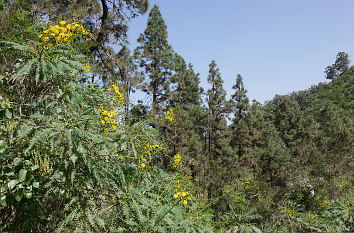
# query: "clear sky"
x,y
278,46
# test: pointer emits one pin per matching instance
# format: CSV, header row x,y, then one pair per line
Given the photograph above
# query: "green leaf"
x,y
73,159
8,114
28,194
37,73
2,146
22,175
3,200
36,184
72,177
34,167
17,161
24,70
12,184
131,223
19,195
3,188
17,46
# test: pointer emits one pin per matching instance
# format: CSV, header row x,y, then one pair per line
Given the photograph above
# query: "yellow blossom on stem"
x,y
6,104
169,115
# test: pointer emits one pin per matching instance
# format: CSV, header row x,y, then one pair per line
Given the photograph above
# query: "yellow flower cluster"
x,y
245,183
342,184
145,158
63,33
325,204
169,115
116,94
176,160
86,67
183,196
288,212
109,117
152,147
6,104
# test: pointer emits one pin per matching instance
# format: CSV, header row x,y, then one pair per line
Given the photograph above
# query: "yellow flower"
x,y
6,104
40,36
99,110
114,127
184,194
51,45
58,38
62,22
45,39
175,196
142,165
185,202
103,122
106,130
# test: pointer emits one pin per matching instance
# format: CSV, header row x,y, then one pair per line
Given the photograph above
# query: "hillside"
x,y
339,92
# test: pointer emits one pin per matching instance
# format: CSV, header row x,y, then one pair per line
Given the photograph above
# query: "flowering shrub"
x,y
176,160
181,194
170,115
148,152
108,111
63,33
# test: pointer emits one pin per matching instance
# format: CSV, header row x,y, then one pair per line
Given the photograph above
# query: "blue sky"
x,y
278,46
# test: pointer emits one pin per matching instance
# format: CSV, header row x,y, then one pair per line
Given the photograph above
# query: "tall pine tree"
x,y
218,134
155,55
240,104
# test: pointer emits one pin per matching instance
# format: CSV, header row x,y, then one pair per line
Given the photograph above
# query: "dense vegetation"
x,y
77,156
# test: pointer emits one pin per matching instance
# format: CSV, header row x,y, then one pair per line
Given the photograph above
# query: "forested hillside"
x,y
77,155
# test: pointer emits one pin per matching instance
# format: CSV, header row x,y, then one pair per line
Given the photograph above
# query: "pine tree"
x,y
240,104
265,152
155,55
187,136
340,66
239,100
185,81
298,132
129,77
218,134
336,142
